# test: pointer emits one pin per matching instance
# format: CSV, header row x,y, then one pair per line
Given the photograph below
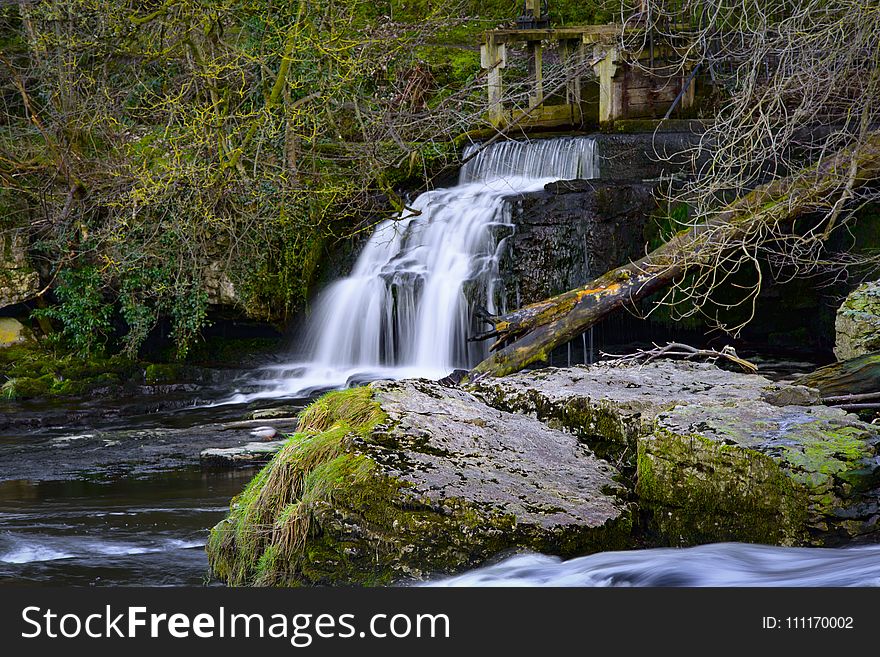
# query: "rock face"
x,y
572,231
218,286
398,481
857,324
715,455
646,155
18,281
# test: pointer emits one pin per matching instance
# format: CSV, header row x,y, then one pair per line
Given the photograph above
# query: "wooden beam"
x,y
536,57
587,33
605,70
494,58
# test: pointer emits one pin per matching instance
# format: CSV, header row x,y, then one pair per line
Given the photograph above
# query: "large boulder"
x,y
398,481
715,455
857,324
611,405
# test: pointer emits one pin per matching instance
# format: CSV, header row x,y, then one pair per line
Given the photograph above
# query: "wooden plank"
x,y
553,34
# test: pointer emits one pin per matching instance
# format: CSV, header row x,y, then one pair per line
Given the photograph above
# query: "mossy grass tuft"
x,y
263,541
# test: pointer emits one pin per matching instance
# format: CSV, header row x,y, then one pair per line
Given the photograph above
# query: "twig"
x,y
851,398
687,352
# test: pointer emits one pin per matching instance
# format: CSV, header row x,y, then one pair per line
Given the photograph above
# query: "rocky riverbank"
x,y
398,481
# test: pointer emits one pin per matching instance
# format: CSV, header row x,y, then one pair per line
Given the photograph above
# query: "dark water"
x,y
111,492
118,531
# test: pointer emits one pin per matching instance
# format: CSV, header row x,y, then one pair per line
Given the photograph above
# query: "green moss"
x,y
28,371
162,373
697,490
263,539
27,387
830,465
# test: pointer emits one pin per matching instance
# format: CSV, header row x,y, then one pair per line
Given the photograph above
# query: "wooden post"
x,y
606,69
571,53
536,56
687,100
494,58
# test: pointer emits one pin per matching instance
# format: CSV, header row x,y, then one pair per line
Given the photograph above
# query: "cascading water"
x,y
406,309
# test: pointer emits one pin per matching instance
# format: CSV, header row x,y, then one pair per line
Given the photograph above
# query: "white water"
x,y
719,564
406,309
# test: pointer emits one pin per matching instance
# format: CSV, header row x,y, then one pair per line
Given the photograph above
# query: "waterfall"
x,y
406,309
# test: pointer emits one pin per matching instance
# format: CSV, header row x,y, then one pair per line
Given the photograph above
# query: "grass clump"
x,y
263,540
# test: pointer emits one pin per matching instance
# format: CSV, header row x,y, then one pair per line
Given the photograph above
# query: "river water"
x,y
111,491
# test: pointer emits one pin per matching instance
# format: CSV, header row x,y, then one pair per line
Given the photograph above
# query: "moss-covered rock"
x,y
30,370
857,325
18,281
754,472
715,455
610,406
398,481
13,332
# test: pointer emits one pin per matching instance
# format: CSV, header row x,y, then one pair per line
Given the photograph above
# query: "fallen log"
x,y
853,380
528,335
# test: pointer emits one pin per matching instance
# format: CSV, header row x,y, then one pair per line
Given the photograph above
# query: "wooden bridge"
x,y
593,81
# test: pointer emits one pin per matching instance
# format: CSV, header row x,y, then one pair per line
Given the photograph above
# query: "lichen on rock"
x,y
857,324
755,472
715,455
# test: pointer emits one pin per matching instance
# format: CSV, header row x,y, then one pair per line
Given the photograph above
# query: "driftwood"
x,y
685,351
529,334
848,382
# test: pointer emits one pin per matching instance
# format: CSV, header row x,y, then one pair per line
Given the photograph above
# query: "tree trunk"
x,y
529,334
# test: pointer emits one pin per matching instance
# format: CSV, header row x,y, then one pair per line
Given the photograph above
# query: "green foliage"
x,y
82,310
188,314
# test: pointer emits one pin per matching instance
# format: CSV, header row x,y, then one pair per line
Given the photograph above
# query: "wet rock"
x,y
857,324
272,413
570,232
398,481
254,453
711,459
13,332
